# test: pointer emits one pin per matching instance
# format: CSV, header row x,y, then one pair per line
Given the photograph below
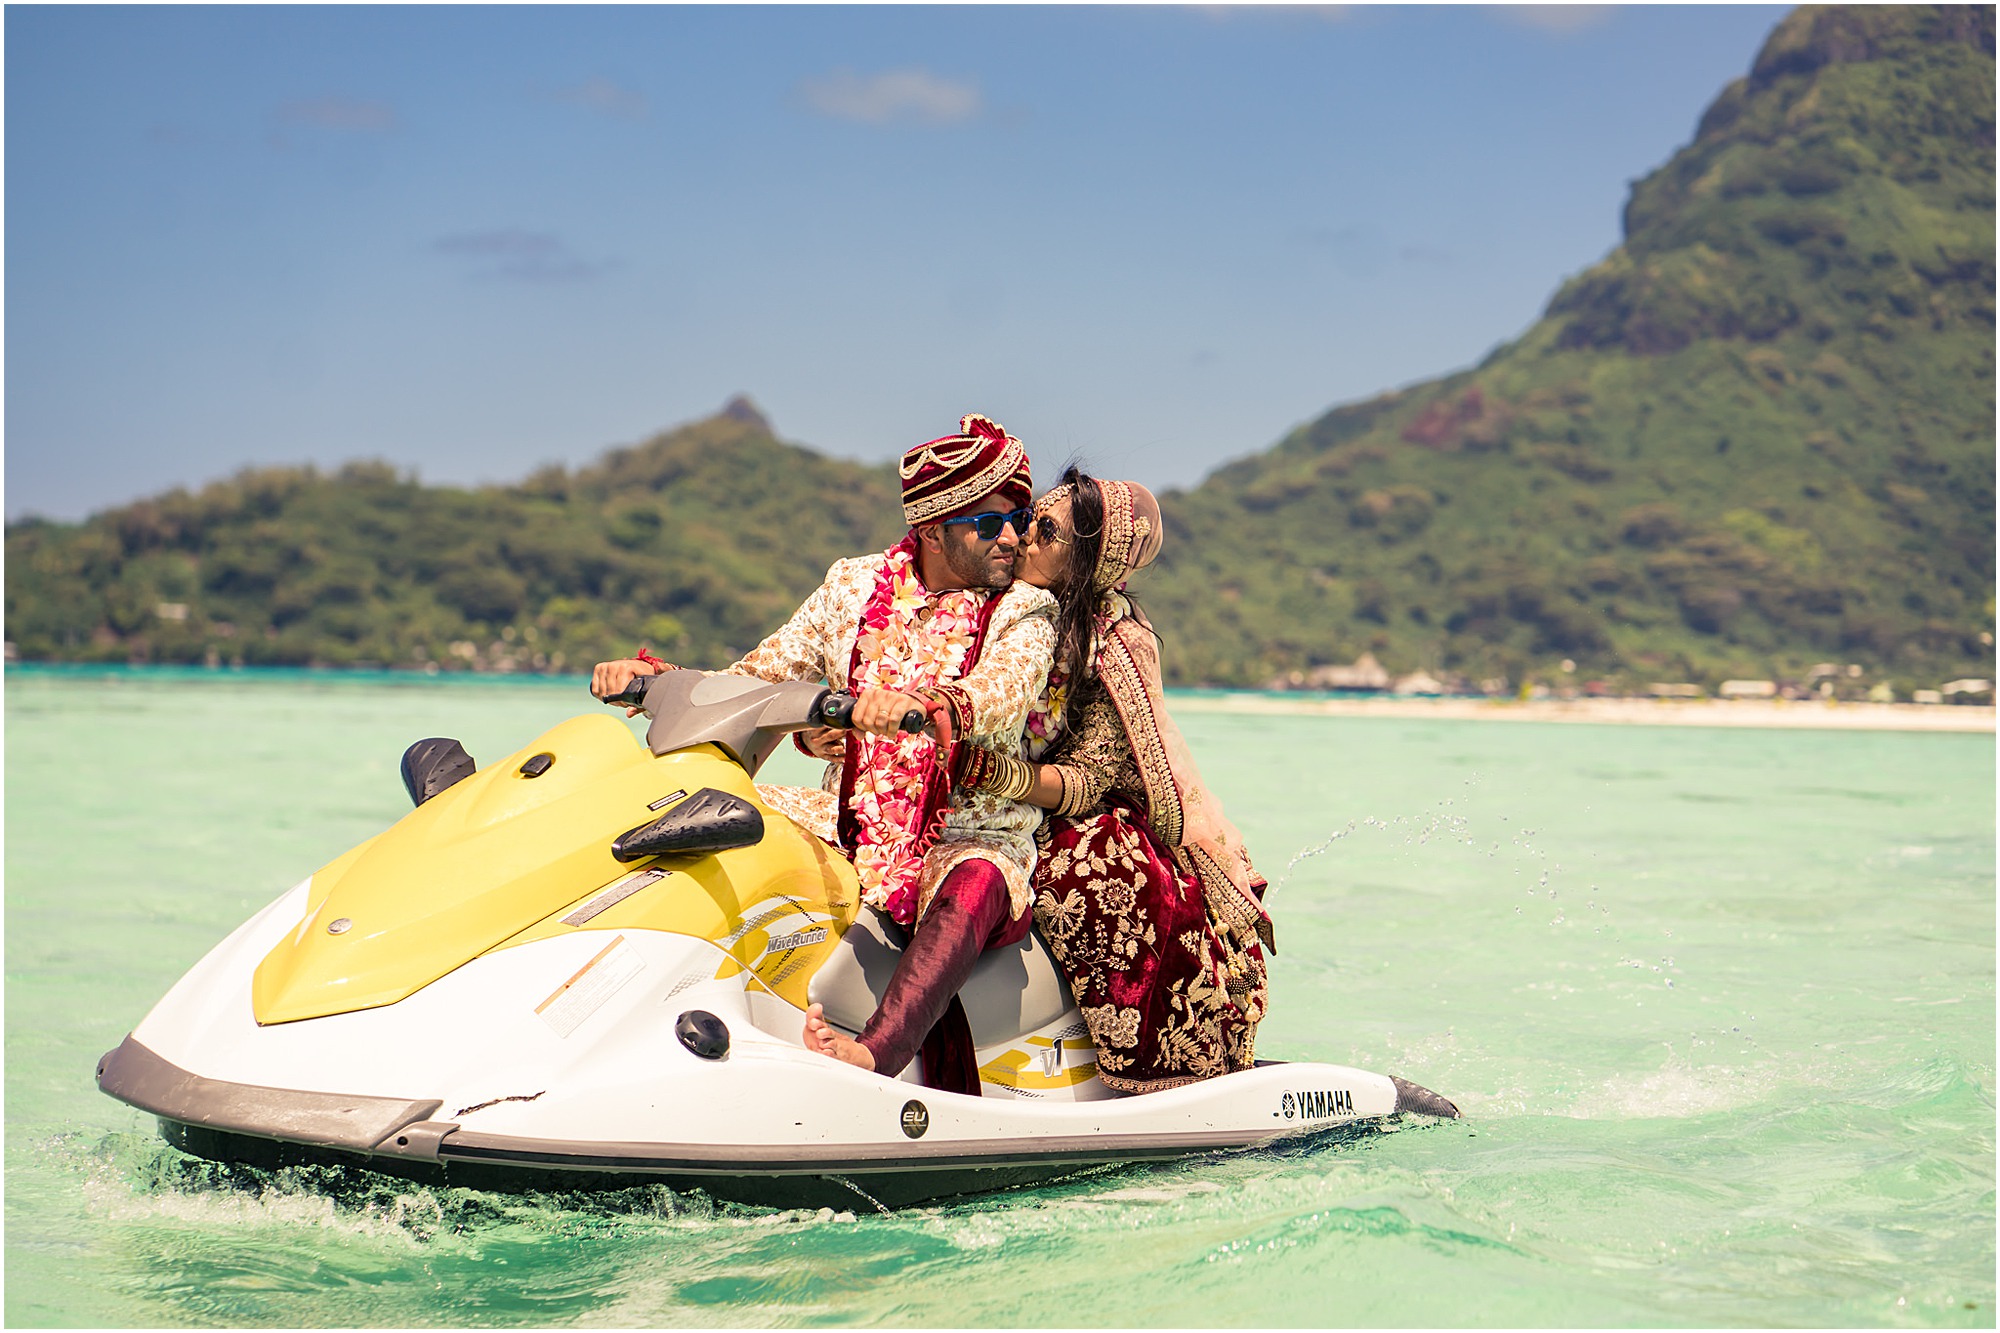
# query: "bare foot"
x,y
820,1036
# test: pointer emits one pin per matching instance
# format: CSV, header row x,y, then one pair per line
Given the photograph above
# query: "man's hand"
x,y
828,743
610,678
881,711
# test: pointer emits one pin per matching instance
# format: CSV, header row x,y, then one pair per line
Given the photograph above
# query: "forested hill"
x,y
697,542
1759,435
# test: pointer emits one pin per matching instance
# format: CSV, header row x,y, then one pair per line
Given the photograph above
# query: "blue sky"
x,y
472,240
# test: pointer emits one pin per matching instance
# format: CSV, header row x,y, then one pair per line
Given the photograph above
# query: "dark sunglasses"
x,y
987,527
1047,533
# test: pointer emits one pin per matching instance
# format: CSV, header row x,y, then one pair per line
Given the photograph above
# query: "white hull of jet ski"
x,y
576,1044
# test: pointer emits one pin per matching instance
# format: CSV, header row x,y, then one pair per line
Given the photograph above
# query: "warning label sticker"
x,y
593,983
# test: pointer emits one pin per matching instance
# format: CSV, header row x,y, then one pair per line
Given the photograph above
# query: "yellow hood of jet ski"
x,y
498,857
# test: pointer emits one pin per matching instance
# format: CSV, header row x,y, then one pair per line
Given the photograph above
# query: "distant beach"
x,y
1819,714
1799,713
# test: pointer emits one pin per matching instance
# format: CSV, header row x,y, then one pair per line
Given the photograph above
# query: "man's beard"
x,y
976,569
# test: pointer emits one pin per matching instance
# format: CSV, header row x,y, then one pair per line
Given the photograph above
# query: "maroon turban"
x,y
955,472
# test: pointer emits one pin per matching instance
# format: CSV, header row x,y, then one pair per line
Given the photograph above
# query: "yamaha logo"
x,y
1321,1103
1316,1104
915,1119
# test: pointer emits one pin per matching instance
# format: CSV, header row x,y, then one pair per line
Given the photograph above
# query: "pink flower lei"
x,y
895,786
1048,715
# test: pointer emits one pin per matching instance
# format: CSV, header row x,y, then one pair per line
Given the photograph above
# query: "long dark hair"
x,y
1076,600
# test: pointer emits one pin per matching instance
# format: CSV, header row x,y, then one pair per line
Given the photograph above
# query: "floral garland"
x,y
893,782
1046,720
1045,717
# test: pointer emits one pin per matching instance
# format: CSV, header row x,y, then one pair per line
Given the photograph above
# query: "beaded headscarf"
x,y
1133,532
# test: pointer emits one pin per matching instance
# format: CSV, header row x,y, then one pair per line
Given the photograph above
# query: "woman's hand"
x,y
881,711
610,678
828,743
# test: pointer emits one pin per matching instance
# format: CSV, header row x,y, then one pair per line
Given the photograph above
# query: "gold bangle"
x,y
1074,792
1012,778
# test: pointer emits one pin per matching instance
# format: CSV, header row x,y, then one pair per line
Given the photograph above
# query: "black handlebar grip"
x,y
633,695
836,709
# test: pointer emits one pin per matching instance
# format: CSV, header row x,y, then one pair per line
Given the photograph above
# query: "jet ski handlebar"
x,y
832,708
742,715
836,709
632,696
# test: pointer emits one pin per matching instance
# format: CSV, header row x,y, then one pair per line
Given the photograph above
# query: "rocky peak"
x,y
741,409
1849,174
1815,36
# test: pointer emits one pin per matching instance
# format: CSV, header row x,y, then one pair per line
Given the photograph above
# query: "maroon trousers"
x,y
920,1008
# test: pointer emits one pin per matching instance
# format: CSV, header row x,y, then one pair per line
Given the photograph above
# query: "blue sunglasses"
x,y
987,527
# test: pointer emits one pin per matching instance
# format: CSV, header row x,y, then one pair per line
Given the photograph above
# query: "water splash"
x,y
1310,852
1678,1090
1447,829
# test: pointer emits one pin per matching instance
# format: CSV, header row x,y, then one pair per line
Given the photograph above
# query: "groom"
x,y
938,624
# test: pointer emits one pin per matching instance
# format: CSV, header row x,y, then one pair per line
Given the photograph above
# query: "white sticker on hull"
x,y
614,895
594,983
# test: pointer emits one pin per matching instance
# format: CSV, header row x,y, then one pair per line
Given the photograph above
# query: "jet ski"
x,y
587,966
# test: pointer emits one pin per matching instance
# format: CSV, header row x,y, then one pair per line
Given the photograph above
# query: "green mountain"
x,y
1758,435
697,542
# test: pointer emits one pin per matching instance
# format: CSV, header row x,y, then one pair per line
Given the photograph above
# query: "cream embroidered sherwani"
x,y
817,643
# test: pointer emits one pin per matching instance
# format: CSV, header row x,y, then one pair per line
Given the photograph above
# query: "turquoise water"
x,y
1719,1006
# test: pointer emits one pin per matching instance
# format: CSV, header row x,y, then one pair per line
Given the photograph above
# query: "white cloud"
x,y
504,243
1555,18
340,113
603,95
1365,251
524,256
1425,254
1333,13
907,95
